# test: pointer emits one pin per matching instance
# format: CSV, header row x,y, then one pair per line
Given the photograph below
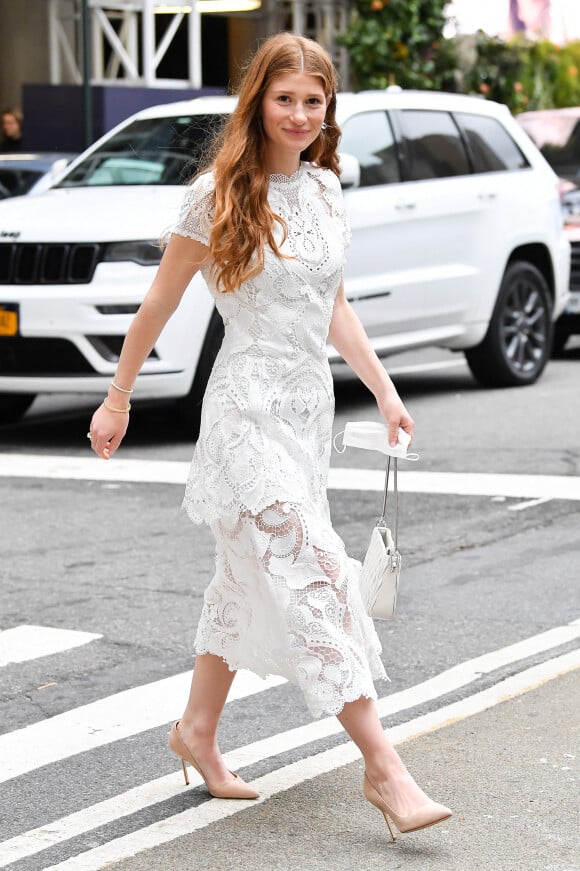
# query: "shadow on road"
x,y
64,429
351,394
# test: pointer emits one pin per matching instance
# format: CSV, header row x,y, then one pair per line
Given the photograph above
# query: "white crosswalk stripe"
x,y
174,472
23,643
106,720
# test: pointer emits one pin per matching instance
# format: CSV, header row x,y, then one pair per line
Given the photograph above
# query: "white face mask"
x,y
374,436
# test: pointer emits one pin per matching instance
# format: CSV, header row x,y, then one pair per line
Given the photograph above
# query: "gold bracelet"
x,y
117,410
121,389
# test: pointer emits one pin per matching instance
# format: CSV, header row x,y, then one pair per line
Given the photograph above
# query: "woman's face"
x,y
10,125
293,110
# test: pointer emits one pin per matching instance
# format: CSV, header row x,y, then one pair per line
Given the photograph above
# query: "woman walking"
x,y
266,226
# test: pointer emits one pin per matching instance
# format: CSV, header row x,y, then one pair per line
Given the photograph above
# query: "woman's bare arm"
x,y
350,340
181,260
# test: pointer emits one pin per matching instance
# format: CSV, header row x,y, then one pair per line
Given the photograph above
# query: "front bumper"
x,y
69,336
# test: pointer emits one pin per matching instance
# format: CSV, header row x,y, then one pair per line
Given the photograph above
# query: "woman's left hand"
x,y
395,415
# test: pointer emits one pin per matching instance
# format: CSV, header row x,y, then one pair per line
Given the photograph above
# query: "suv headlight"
x,y
145,253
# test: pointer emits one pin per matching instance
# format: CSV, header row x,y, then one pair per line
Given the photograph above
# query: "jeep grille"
x,y
47,263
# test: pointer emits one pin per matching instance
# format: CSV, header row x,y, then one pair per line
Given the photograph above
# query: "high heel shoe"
x,y
231,789
426,815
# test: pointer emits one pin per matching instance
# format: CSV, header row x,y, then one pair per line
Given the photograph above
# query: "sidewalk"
x,y
511,775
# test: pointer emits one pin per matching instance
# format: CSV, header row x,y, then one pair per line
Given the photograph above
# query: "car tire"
x,y
518,341
189,407
13,406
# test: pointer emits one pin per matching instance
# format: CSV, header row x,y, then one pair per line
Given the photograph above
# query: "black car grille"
x,y
575,271
23,355
47,263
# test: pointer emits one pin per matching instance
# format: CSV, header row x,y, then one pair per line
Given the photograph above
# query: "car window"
x,y
369,138
433,145
492,148
153,151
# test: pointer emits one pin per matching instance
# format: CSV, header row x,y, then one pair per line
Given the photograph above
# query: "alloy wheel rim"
x,y
524,329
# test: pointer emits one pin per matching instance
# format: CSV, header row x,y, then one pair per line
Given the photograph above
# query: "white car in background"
x,y
457,242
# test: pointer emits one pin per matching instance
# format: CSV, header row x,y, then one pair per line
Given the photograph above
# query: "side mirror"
x,y
349,171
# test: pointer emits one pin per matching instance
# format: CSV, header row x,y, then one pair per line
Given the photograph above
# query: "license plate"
x,y
573,304
8,320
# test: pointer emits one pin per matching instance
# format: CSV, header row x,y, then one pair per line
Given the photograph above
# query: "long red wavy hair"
x,y
243,222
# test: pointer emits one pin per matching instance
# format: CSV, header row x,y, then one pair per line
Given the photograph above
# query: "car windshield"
x,y
152,151
558,138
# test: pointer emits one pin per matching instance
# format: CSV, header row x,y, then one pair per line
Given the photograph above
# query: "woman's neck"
x,y
282,164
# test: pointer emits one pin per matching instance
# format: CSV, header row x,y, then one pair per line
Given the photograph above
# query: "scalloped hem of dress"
x,y
320,710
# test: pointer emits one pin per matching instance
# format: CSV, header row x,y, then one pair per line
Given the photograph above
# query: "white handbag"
x,y
381,570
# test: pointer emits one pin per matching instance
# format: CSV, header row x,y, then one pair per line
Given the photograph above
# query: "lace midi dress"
x,y
284,599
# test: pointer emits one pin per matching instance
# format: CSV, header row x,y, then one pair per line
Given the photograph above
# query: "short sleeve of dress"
x,y
197,210
335,201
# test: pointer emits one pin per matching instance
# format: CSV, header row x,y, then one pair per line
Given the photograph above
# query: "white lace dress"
x,y
284,598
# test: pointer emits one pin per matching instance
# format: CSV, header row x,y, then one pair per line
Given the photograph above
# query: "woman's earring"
x,y
324,125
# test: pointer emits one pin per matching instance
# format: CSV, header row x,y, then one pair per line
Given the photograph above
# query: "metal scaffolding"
x,y
124,46
126,50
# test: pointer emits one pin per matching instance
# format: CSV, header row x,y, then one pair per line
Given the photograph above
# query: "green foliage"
x,y
526,75
400,42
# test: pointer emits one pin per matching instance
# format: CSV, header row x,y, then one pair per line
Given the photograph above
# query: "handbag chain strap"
x,y
382,518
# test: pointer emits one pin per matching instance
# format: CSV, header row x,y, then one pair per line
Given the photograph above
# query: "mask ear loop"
x,y
337,449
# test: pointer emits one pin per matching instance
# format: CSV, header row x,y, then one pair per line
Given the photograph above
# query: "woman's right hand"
x,y
107,431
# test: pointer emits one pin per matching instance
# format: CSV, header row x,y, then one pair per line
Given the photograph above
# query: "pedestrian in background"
x,y
265,223
12,140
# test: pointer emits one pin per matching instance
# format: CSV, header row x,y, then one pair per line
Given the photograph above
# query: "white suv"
x,y
457,242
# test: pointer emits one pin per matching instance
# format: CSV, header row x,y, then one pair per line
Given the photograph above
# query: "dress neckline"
x,y
280,178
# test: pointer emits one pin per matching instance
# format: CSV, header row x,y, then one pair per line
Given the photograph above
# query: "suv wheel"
x,y
189,407
517,345
13,406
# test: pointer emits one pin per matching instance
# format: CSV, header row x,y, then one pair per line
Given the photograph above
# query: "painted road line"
x,y
93,469
24,642
215,810
106,720
136,799
461,483
174,472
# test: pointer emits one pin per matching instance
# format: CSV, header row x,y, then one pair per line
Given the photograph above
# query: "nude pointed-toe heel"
x,y
428,814
237,788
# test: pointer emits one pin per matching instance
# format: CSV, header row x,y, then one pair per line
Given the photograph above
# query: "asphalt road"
x,y
482,655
